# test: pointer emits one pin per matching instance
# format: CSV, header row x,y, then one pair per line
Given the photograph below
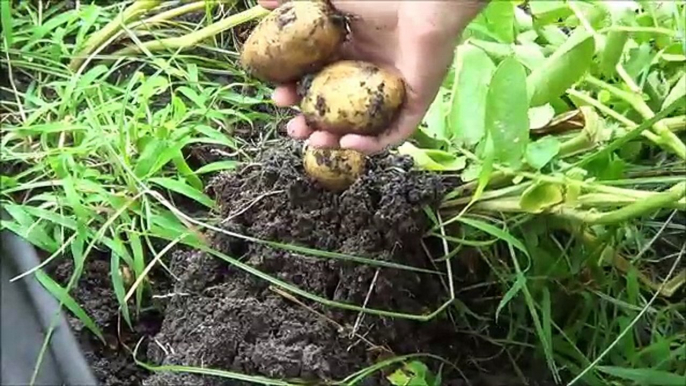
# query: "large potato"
x,y
333,169
297,38
352,97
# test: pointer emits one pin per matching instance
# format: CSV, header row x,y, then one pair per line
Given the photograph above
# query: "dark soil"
x,y
224,318
218,316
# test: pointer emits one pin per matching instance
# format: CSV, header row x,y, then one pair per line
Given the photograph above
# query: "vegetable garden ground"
x,y
187,245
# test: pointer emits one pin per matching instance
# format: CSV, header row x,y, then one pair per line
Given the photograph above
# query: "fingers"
x,y
285,95
402,129
323,139
269,4
297,128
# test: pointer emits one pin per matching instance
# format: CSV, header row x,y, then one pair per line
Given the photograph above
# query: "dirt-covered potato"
x,y
295,39
334,169
352,97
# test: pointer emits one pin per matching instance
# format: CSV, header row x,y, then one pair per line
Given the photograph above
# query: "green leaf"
x,y
152,152
678,92
540,196
189,93
216,166
62,295
510,294
183,189
507,119
612,52
186,172
6,21
119,290
499,19
399,378
493,231
540,116
432,159
542,151
435,118
549,10
467,115
644,376
561,70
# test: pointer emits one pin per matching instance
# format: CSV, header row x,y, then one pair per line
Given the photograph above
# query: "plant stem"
x,y
666,137
190,40
674,198
178,11
636,209
675,124
134,10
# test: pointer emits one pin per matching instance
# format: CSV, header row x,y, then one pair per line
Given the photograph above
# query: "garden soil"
x,y
218,316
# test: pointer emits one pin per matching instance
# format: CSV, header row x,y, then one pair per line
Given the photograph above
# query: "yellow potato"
x,y
297,38
333,169
352,97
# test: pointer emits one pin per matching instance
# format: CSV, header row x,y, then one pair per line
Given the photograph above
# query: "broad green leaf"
x,y
474,70
678,92
507,119
528,54
432,159
645,376
561,70
542,151
551,34
499,19
510,294
540,116
612,52
547,11
183,189
436,118
540,196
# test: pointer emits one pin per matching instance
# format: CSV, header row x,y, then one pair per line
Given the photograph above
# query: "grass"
x,y
573,158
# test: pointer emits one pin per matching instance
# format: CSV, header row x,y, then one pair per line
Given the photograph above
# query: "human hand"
x,y
415,39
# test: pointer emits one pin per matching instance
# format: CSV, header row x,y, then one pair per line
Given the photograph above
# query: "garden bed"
x,y
220,317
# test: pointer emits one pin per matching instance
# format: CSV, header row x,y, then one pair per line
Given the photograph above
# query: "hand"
x,y
416,39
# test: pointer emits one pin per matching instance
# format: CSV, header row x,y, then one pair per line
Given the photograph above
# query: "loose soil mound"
x,y
220,317
224,318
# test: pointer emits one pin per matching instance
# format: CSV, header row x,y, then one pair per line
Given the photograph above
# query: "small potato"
x,y
352,97
295,39
334,169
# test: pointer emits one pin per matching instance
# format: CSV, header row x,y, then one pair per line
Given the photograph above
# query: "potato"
x,y
351,96
333,169
295,39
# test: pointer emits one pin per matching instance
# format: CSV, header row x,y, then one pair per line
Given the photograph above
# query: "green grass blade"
x,y
62,295
645,376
